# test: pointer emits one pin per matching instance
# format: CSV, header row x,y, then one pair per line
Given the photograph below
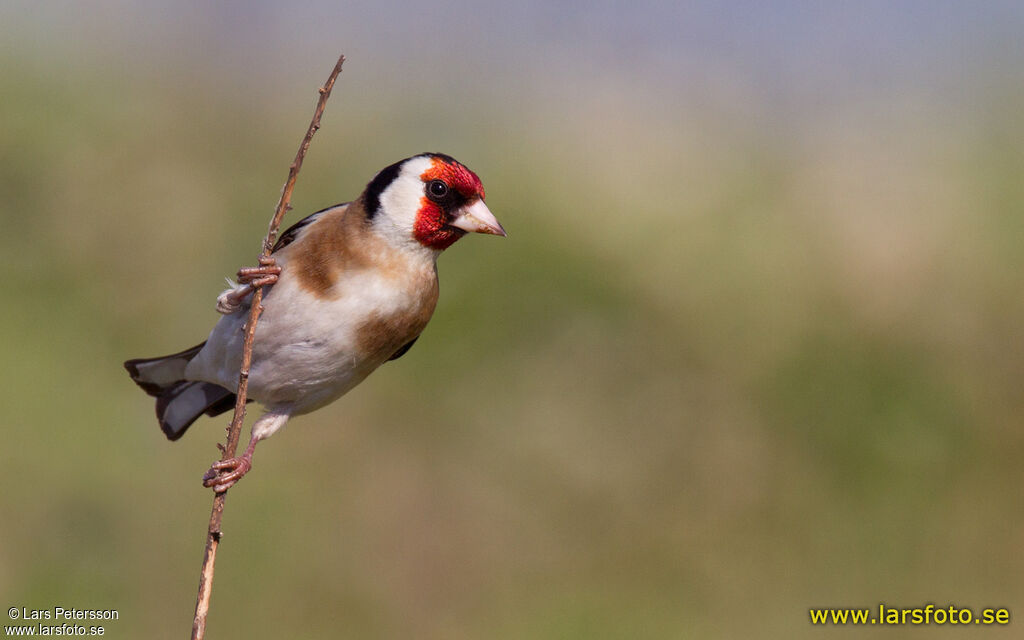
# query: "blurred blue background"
x,y
754,343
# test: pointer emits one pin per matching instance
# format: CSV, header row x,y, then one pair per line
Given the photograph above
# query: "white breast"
x,y
306,352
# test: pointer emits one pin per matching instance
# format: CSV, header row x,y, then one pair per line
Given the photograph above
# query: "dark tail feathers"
x,y
179,402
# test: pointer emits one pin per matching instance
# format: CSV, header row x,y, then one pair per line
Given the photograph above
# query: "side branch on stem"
x,y
235,429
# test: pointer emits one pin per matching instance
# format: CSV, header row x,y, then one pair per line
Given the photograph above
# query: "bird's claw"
x,y
263,275
223,474
249,278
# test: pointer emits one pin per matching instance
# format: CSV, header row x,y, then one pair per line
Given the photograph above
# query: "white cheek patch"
x,y
401,201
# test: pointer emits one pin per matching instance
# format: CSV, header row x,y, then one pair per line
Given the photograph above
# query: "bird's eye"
x,y
437,190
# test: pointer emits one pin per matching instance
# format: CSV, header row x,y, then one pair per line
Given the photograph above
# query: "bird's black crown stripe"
x,y
443,156
377,186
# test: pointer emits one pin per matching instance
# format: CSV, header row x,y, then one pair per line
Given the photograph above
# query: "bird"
x,y
346,289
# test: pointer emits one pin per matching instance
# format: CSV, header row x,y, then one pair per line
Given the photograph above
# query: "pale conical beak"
x,y
477,218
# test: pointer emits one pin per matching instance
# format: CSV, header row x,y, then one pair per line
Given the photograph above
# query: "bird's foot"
x,y
249,278
263,275
223,474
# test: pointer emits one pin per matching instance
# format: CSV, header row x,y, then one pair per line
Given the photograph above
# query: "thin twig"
x,y
234,431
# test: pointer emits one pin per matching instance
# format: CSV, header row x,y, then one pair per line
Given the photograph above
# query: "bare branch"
x,y
234,430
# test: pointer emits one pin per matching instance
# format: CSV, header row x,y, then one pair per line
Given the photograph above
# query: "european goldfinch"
x,y
347,289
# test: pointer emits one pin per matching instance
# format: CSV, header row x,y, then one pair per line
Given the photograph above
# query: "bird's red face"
x,y
452,205
430,200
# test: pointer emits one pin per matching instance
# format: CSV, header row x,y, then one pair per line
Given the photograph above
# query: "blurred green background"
x,y
753,345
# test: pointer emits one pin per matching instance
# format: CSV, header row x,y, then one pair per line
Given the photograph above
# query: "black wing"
x,y
401,352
